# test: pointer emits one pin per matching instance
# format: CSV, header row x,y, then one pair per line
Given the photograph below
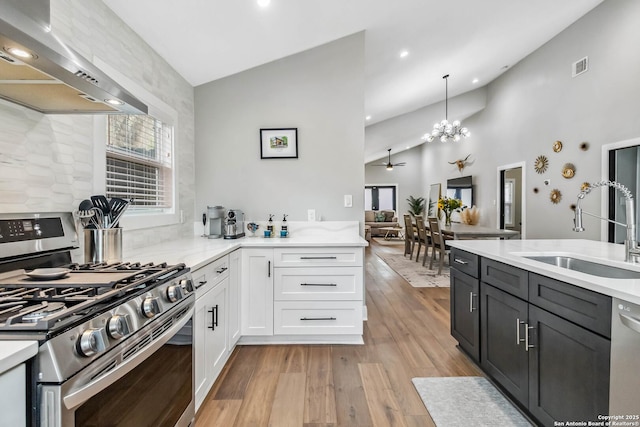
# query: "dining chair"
x,y
437,243
422,238
409,236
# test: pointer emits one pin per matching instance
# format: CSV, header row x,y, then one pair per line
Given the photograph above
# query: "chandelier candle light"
x,y
445,130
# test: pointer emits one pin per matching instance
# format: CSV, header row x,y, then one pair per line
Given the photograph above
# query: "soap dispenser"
x,y
269,231
284,231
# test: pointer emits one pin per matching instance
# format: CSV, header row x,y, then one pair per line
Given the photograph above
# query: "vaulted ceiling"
x,y
471,40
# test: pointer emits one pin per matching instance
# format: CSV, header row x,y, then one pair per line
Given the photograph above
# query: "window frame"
x,y
143,218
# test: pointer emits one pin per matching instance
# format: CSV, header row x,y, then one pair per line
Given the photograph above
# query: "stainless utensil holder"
x,y
103,245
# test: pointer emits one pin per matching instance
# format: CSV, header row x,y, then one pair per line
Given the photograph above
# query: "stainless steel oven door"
x,y
149,382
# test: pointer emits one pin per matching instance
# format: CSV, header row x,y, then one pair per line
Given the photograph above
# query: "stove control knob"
x,y
118,326
174,293
150,307
187,285
91,342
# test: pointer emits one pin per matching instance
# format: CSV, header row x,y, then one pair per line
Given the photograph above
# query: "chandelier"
x,y
445,130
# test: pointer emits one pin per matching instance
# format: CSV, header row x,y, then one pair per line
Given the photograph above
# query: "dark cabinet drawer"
x,y
506,277
586,308
463,261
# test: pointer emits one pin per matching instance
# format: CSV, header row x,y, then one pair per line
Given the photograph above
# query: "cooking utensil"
x,y
85,205
85,215
119,206
102,203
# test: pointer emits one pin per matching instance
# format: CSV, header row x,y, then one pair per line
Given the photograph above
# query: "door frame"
x,y
523,199
604,199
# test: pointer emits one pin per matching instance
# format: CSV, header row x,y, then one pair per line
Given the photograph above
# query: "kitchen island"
x,y
539,322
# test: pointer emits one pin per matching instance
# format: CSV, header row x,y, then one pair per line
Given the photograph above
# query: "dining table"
x,y
459,230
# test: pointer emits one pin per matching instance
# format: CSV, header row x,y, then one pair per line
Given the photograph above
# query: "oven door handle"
x,y
78,396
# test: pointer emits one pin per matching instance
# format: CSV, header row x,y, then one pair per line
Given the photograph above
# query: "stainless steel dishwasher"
x,y
624,397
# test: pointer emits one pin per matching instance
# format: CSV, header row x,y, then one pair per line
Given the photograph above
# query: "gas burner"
x,y
43,311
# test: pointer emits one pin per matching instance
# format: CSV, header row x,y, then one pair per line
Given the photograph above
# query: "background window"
x,y
140,161
380,198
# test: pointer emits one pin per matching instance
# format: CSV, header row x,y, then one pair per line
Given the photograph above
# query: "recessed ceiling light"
x,y
113,101
404,54
20,53
368,118
474,81
263,3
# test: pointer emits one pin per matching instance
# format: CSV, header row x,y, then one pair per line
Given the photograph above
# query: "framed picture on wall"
x,y
279,143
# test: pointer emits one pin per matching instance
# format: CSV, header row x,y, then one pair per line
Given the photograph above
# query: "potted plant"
x,y
416,206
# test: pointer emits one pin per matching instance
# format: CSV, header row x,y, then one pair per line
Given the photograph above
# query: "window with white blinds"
x,y
140,161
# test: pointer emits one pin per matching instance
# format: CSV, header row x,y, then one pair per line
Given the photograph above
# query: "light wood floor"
x,y
407,335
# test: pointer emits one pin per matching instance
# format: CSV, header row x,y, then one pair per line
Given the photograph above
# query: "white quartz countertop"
x,y
513,252
13,353
198,251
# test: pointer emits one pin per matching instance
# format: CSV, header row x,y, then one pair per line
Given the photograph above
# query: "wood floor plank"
x,y
236,375
351,404
383,407
261,390
320,397
288,403
296,358
219,413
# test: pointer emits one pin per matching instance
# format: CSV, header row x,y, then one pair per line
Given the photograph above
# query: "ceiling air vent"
x,y
580,66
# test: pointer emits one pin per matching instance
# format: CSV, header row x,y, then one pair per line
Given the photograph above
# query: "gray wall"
x,y
408,179
538,102
46,161
320,92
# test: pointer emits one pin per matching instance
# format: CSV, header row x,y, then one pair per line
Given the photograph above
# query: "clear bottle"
x,y
284,231
269,226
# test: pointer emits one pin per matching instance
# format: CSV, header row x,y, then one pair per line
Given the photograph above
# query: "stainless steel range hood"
x,y
53,78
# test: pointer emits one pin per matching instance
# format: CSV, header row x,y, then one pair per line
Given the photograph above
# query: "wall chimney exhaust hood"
x,y
38,71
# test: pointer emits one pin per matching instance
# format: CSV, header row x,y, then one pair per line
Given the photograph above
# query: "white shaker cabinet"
x,y
211,342
235,265
256,292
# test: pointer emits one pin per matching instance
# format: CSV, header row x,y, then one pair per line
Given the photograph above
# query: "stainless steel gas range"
x,y
115,340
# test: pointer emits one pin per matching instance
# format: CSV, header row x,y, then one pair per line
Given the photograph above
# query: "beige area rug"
x,y
413,272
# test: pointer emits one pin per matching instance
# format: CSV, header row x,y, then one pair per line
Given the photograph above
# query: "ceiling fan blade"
x,y
400,164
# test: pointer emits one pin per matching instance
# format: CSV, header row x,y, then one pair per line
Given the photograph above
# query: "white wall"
x,y
320,92
46,161
538,102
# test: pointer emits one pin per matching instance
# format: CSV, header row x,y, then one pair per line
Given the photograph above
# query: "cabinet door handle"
x,y
318,257
318,318
214,317
460,261
269,269
518,339
526,337
318,284
471,307
202,283
222,270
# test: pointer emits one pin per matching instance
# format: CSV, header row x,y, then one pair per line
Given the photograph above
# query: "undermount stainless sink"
x,y
587,267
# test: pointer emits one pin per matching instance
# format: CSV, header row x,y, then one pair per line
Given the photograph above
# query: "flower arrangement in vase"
x,y
449,205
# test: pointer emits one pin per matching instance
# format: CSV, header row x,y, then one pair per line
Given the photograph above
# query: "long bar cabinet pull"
x,y
318,284
214,317
518,339
527,346
222,270
318,257
460,261
471,307
269,269
318,318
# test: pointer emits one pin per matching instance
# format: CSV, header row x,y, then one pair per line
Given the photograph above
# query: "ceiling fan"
x,y
390,165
